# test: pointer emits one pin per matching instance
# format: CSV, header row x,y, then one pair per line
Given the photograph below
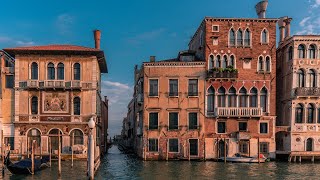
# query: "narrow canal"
x,y
116,165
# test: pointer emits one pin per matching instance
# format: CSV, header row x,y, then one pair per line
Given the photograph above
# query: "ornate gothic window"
x,y
312,78
225,61
232,38
299,113
243,97
300,78
260,65
301,51
210,100
312,51
264,36
311,111
239,38
232,97
264,99
221,97
247,38
253,101
268,64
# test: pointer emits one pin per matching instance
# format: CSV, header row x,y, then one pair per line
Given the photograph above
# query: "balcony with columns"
x,y
57,84
239,112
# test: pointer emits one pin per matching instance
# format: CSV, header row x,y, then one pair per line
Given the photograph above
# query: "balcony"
x,y
238,112
8,70
307,91
54,84
32,84
227,73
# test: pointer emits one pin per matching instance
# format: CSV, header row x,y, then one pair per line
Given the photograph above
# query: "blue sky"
x,y
132,30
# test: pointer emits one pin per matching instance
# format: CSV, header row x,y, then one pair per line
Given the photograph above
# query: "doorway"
x,y
193,147
54,137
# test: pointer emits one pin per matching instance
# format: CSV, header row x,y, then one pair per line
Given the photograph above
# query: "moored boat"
x,y
245,159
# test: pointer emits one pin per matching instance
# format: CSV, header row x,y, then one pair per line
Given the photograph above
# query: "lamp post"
x,y
91,125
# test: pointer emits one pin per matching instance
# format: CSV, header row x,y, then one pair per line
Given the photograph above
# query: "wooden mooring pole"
x,y
225,150
217,149
59,156
258,150
72,149
50,150
32,156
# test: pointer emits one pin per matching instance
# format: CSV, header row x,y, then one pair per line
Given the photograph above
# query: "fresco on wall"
x,y
55,102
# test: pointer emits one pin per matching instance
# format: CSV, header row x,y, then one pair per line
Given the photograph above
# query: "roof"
x,y
61,49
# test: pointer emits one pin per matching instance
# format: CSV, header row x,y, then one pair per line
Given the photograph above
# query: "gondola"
x,y
24,166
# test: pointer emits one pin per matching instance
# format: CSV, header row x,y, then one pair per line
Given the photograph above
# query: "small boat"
x,y
24,166
245,159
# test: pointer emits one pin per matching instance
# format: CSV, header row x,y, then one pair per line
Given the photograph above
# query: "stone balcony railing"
x,y
307,91
238,112
222,75
8,70
56,84
306,127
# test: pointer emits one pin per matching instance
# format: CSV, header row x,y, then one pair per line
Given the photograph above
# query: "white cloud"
x,y
146,36
311,23
316,4
64,23
303,21
8,41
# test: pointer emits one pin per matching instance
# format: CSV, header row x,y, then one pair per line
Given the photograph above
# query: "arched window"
x,y
243,97
76,106
76,71
300,78
312,78
51,71
34,134
268,64
299,113
221,97
301,51
232,38
211,62
311,112
253,101
78,137
260,65
263,99
290,53
239,38
34,70
225,61
247,38
210,100
232,97
264,36
232,63
34,105
60,71
312,51
218,61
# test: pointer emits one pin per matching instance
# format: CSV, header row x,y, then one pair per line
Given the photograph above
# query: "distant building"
x,y
298,93
221,93
54,89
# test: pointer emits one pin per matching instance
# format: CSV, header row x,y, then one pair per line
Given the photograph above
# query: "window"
x,y
173,145
210,100
232,63
268,64
51,71
173,83
232,38
260,66
247,38
264,147
34,70
34,105
9,81
193,120
312,78
243,97
76,71
232,97
242,126
34,134
300,78
264,128
211,61
253,99
311,111
193,87
153,120
153,145
218,61
221,127
9,141
173,120
301,51
76,106
318,115
290,53
299,113
264,37
221,97
153,83
215,28
60,71
215,41
312,51
78,137
243,147
239,38
225,61
263,99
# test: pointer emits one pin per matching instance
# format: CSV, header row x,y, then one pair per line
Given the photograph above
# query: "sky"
x,y
132,30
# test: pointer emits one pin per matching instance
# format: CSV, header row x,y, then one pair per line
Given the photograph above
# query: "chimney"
x,y
152,58
261,9
287,21
282,25
97,37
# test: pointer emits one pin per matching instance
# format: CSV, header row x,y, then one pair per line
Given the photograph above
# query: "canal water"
x,y
116,165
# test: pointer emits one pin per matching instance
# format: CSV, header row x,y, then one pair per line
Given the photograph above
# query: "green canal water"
x,y
116,165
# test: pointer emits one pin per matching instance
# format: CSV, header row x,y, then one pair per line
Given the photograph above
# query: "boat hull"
x,y
243,159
